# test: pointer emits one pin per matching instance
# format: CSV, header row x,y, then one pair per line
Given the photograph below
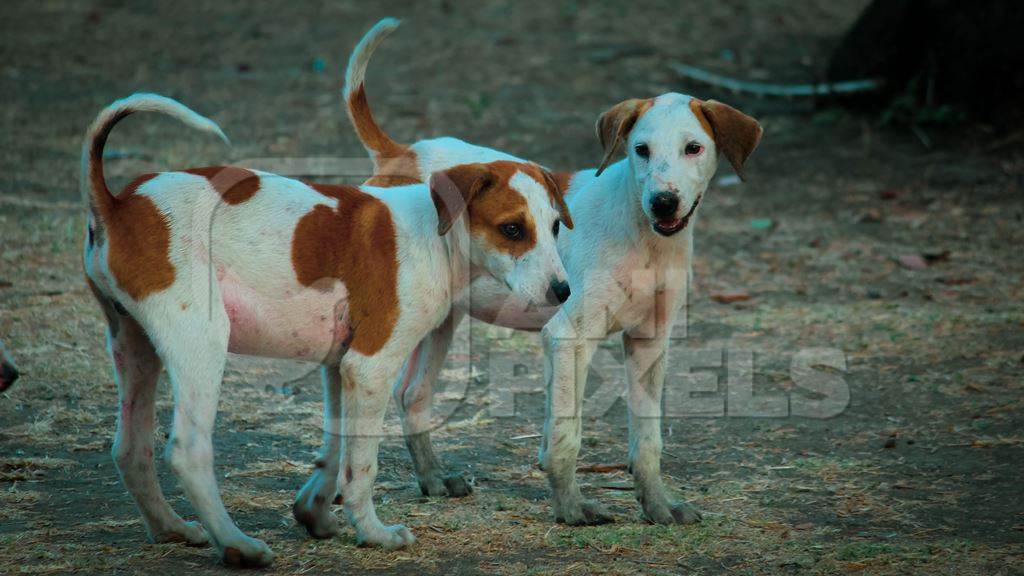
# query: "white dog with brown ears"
x,y
629,260
191,265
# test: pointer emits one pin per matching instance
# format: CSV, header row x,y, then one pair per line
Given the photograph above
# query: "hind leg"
x,y
194,349
414,395
137,368
312,506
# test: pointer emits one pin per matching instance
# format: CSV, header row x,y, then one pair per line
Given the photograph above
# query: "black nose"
x,y
8,374
558,293
664,205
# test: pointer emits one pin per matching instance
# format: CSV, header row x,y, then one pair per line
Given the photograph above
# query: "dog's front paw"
x,y
452,486
188,533
582,513
662,512
247,553
387,537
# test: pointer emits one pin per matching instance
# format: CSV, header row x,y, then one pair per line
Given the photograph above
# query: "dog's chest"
x,y
647,286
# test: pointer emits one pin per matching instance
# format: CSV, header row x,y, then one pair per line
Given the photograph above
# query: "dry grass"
x,y
934,356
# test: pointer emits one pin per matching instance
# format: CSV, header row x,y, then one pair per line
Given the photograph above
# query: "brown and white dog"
x,y
629,260
193,264
8,371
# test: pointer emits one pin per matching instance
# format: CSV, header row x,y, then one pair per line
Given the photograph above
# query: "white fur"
x,y
235,290
625,277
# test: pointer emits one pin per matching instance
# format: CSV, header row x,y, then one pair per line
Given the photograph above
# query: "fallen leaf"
x,y
730,297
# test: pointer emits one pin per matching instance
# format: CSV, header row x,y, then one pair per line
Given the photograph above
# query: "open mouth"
x,y
669,226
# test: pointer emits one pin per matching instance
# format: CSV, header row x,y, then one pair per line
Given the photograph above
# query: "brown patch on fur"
x,y
102,200
137,234
453,190
614,125
485,188
235,185
695,107
399,170
139,241
498,204
394,164
736,134
563,180
366,127
354,243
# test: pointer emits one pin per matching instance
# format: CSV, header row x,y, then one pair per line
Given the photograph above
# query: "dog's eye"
x,y
512,231
692,149
554,228
642,151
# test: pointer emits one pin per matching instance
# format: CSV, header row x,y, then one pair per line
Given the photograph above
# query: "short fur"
x,y
629,267
190,265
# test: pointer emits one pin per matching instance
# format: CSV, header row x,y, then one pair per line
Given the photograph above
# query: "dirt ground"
x,y
847,236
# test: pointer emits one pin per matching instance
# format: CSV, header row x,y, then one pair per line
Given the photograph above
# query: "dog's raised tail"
x,y
93,184
376,142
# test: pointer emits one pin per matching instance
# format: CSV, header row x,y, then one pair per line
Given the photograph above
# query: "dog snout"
x,y
664,205
558,292
8,374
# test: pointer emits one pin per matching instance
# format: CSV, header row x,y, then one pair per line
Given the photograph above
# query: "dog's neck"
x,y
460,267
443,260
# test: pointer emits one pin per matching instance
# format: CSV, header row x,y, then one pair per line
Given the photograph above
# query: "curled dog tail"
x,y
376,142
93,184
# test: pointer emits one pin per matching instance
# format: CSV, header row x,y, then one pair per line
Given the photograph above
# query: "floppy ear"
x,y
558,197
614,125
736,134
453,189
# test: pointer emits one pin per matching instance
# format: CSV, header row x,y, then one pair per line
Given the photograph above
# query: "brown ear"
x,y
736,134
614,125
453,189
558,196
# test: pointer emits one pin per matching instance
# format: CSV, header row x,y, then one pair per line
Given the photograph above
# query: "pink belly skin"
x,y
298,323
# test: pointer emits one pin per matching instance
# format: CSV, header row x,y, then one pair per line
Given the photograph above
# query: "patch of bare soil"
x,y
846,236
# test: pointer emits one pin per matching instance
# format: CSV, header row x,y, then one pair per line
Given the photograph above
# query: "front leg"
x,y
645,374
364,400
414,395
567,352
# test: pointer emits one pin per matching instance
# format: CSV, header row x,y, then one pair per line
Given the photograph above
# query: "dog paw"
x,y
316,516
433,486
452,486
188,533
247,553
312,508
387,537
583,513
665,513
